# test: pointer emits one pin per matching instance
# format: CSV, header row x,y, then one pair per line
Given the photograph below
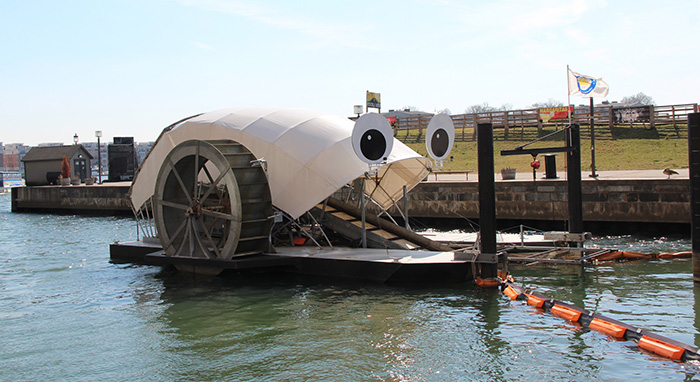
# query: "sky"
x,y
133,67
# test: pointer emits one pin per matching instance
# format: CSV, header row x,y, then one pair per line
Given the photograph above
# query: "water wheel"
x,y
212,201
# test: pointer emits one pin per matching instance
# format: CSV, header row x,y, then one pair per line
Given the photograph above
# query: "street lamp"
x,y
75,139
98,134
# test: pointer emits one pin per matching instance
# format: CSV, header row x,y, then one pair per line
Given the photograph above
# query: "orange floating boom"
x,y
656,344
534,301
567,313
510,292
606,327
660,347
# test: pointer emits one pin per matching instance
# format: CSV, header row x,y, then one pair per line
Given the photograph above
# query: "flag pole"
x,y
593,174
568,94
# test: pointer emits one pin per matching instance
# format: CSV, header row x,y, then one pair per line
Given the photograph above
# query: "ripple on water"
x,y
67,312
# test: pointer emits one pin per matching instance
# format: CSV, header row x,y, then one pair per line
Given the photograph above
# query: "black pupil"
x,y
439,142
372,144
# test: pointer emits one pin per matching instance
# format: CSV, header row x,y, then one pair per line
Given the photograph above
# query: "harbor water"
x,y
67,313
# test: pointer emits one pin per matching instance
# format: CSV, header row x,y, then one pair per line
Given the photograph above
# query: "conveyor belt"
x,y
345,219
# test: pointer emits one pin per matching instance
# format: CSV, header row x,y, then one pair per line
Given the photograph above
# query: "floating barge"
x,y
251,189
370,264
259,193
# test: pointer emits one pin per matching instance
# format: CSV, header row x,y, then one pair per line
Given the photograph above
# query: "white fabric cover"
x,y
309,155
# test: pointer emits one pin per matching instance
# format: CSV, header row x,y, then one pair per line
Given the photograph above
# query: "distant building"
x,y
10,161
421,117
406,113
12,155
43,164
91,147
142,150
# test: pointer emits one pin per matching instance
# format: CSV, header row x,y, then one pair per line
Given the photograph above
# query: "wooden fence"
x,y
603,115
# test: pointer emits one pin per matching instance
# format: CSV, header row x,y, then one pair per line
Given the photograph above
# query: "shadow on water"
x,y
289,327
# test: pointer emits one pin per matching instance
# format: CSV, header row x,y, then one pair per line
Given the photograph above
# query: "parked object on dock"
x,y
507,173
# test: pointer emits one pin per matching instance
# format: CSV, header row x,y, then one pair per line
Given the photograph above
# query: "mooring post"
x,y
694,169
573,168
487,198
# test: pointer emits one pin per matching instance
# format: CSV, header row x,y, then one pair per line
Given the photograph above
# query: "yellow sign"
x,y
374,100
549,113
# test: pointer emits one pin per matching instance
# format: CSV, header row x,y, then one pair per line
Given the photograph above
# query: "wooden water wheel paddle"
x,y
212,201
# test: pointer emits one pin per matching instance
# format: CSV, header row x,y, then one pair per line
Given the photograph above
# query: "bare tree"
x,y
483,108
639,98
444,111
506,107
486,108
548,103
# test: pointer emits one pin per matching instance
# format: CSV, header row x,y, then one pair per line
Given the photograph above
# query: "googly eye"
x,y
440,136
372,138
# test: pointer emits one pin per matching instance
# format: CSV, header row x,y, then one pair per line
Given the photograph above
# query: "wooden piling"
x,y
573,168
487,197
694,167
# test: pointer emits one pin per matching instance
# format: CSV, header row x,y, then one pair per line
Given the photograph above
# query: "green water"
x,y
66,313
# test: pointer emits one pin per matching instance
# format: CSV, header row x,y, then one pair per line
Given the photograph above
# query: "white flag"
x,y
586,86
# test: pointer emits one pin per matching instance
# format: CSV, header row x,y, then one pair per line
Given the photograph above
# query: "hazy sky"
x,y
132,67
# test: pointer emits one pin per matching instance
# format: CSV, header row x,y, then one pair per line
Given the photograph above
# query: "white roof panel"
x,y
309,155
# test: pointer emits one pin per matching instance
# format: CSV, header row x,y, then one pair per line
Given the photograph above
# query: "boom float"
x,y
648,341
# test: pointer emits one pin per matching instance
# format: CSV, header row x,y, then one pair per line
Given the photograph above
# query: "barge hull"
x,y
379,265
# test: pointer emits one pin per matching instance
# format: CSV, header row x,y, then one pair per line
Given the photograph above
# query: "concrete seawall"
x,y
638,199
619,200
104,199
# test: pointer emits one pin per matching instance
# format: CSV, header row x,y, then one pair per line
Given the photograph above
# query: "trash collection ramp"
x,y
345,219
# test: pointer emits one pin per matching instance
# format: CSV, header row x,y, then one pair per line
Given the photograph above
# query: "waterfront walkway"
x,y
561,175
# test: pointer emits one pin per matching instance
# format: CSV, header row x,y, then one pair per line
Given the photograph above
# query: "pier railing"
x,y
662,121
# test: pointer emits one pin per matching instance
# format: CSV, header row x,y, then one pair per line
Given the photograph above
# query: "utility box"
x,y
121,159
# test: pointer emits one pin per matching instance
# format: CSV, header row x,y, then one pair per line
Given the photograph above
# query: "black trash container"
x,y
550,166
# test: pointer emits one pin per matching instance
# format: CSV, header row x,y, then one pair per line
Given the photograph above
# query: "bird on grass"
x,y
669,172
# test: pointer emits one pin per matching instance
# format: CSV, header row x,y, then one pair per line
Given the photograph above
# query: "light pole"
x,y
75,139
98,134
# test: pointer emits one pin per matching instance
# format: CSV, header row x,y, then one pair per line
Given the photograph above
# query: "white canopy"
x,y
309,155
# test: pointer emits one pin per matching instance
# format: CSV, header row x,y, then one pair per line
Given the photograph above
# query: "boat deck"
x,y
353,263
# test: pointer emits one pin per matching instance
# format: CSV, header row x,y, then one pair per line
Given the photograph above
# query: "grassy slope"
x,y
621,154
